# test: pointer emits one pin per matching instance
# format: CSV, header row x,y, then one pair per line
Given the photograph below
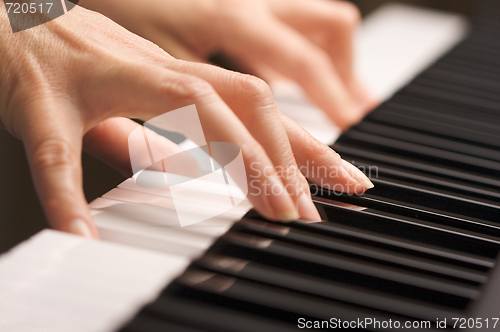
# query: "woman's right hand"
x,y
76,80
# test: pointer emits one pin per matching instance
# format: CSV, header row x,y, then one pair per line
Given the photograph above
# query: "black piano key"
x,y
426,214
303,283
425,196
453,98
472,56
421,152
463,68
349,270
441,180
360,251
394,243
148,323
478,96
439,125
474,65
414,229
194,312
429,140
273,302
462,80
472,121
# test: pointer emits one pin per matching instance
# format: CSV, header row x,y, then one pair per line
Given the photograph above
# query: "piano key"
x,y
395,243
149,323
359,251
202,198
119,229
452,98
332,266
461,79
446,184
362,203
79,284
439,156
212,317
477,96
429,192
204,190
387,161
427,140
474,65
165,217
130,196
462,68
413,229
440,119
321,287
235,292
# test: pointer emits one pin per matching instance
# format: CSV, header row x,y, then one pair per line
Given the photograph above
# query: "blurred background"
x,y
20,212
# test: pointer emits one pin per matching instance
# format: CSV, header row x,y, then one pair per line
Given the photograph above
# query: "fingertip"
x,y
280,200
357,175
306,208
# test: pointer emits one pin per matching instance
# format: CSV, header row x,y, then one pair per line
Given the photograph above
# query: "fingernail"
x,y
280,201
357,174
307,209
80,227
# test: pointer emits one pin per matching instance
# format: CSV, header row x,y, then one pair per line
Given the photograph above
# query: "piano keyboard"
x,y
418,251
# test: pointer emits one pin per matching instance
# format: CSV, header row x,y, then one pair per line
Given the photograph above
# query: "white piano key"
x,y
84,285
130,196
208,185
164,217
398,41
135,233
203,198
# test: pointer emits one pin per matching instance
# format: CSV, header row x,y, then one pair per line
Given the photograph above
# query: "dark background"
x,y
20,212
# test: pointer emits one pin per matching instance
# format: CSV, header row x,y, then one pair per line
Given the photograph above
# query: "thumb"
x,y
53,142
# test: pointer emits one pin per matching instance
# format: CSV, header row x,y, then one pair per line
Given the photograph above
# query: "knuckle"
x,y
254,87
188,87
53,153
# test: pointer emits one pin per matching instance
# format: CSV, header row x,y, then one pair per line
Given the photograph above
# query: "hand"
x,y
78,77
308,41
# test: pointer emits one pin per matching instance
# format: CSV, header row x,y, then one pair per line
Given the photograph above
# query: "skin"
x,y
307,41
72,83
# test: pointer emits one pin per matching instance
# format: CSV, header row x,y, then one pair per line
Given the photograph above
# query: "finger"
x,y
252,101
277,45
52,137
321,164
111,141
162,90
332,26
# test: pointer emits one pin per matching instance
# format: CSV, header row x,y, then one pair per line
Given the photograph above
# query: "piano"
x,y
418,251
